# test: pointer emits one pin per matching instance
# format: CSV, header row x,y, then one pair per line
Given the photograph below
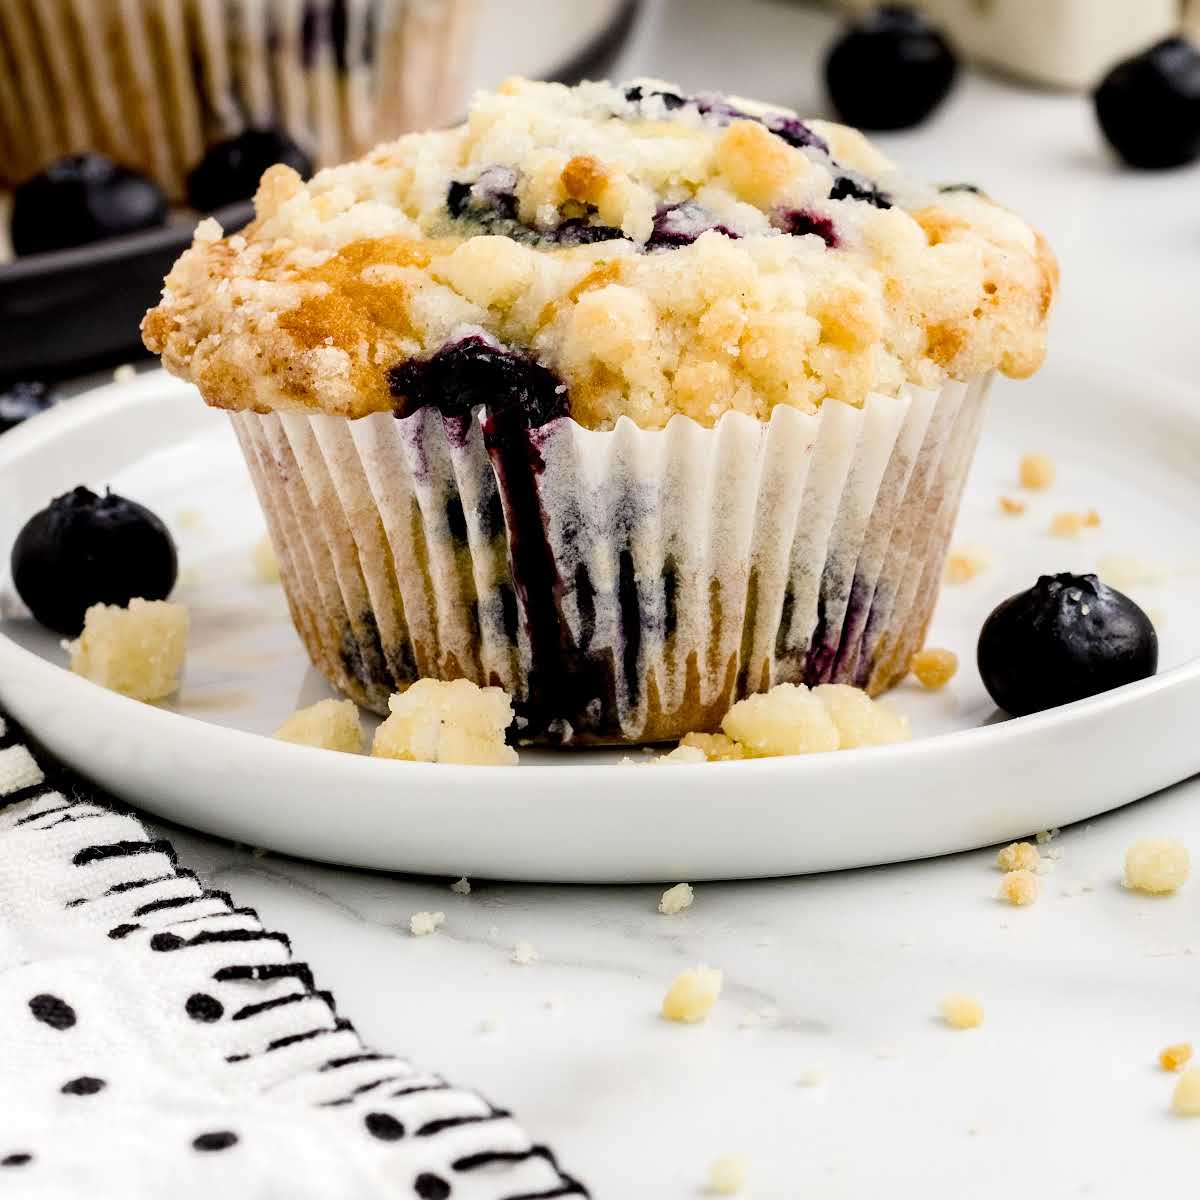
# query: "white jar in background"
x,y
1062,43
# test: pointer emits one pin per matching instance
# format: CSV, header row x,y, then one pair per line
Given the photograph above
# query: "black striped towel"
x,y
156,1040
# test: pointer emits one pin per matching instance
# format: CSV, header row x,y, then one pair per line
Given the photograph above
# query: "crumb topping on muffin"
x,y
654,253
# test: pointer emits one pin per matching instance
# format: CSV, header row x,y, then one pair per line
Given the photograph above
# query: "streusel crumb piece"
x,y
422,924
934,668
266,565
683,756
524,954
1037,472
1019,887
461,887
1186,1100
860,721
1067,524
676,899
1157,865
727,1175
1012,506
137,651
447,722
328,725
789,719
964,563
1019,856
691,996
716,747
1176,1057
961,1012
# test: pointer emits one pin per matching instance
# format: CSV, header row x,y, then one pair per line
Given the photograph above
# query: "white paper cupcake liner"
x,y
153,82
624,586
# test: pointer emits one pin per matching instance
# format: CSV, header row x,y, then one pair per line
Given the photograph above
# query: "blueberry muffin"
x,y
152,83
631,402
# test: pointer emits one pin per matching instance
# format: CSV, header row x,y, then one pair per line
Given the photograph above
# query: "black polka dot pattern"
x,y
52,1011
220,1140
204,1008
16,1160
383,1126
431,1187
85,1085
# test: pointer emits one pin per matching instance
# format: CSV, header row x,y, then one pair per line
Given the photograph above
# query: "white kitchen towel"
x,y
156,1040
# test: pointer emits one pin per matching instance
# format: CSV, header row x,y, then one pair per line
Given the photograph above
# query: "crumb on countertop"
x,y
934,667
461,887
727,1175
965,562
327,725
1047,835
692,994
1072,524
421,924
1185,1102
1156,865
960,1011
1018,856
524,954
1012,506
1019,887
124,373
138,651
1175,1057
1036,471
676,899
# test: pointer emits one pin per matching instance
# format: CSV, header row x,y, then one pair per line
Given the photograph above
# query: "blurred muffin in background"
x,y
154,83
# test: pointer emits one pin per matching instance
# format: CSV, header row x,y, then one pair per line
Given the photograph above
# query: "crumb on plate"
x,y
1066,524
138,651
1036,471
124,373
1019,887
1175,1057
716,747
327,725
934,667
960,1011
1156,865
1012,506
461,887
682,756
422,924
727,1175
1018,856
676,899
965,562
447,722
692,994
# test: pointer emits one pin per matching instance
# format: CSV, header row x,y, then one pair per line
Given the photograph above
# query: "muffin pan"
x,y
968,778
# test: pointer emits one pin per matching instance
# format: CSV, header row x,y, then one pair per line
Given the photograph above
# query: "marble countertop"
x,y
824,1062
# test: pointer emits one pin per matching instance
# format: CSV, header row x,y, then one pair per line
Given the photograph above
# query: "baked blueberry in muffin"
x,y
630,401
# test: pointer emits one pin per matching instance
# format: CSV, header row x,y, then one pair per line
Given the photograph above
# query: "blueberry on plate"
x,y
230,170
1149,105
1068,637
83,198
889,70
85,549
23,399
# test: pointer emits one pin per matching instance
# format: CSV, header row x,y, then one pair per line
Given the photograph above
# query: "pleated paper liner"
x,y
153,82
624,586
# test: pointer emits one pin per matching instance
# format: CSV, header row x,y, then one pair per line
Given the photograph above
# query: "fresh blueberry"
x,y
1068,637
493,196
474,373
230,170
890,70
86,549
80,199
24,399
1149,106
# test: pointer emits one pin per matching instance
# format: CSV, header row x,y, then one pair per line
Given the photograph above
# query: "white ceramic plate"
x,y
1123,447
